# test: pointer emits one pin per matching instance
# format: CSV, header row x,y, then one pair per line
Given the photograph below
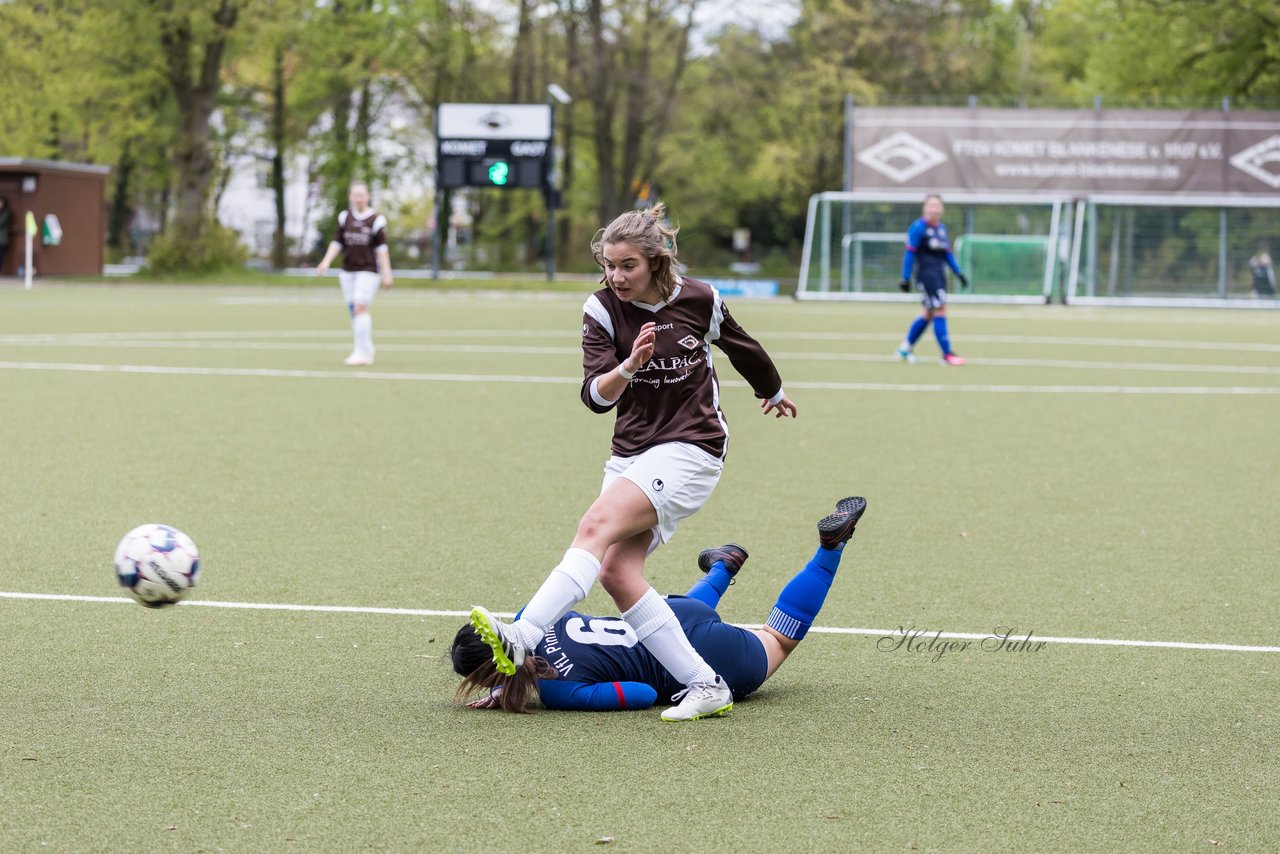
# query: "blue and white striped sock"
x,y
799,602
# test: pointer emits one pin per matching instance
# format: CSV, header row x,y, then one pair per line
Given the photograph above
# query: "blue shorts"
x,y
736,654
933,292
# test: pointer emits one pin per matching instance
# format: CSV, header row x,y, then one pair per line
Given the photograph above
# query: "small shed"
x,y
73,192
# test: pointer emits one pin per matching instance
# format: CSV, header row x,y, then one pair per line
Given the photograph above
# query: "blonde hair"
x,y
644,230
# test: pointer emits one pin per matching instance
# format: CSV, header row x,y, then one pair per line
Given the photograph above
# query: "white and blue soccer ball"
x,y
157,564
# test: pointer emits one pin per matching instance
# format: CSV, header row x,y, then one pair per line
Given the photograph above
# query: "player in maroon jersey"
x,y
646,352
361,237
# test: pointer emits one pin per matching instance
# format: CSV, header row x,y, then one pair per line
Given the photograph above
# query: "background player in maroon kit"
x,y
646,351
361,237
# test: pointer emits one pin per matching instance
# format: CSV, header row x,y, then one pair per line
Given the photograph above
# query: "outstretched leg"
x,y
799,602
621,512
720,564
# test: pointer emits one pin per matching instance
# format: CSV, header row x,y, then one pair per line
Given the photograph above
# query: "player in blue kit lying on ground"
x,y
590,663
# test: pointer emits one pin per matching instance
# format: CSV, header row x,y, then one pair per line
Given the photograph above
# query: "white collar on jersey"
x,y
368,212
666,302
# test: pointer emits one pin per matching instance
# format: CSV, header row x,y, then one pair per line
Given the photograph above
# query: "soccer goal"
x,y
1173,250
1013,248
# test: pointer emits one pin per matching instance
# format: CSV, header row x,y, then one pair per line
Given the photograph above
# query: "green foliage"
x,y
216,248
1204,50
737,128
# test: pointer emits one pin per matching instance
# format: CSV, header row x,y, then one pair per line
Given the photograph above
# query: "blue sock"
x,y
799,602
916,330
711,586
940,332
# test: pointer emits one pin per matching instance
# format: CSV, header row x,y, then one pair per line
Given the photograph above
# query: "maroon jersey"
x,y
360,237
675,397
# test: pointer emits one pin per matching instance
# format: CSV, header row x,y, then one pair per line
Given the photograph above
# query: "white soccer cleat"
x,y
906,355
701,701
358,360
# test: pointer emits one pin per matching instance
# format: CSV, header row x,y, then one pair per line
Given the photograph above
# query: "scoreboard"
x,y
507,146
493,163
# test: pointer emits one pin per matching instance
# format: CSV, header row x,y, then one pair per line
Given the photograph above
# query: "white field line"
x,y
1052,340
831,630
534,350
120,344
1170,316
238,335
284,373
764,335
1113,314
172,370
409,298
1161,367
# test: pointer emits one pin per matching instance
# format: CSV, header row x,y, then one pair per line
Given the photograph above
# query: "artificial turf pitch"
x,y
1086,476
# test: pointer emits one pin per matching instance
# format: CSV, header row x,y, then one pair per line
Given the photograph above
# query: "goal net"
x,y
1013,248
1174,250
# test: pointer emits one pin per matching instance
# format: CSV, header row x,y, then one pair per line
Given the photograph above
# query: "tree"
x,y
638,56
193,38
1204,51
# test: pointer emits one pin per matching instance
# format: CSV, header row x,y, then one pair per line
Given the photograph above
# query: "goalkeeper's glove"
x,y
904,285
964,281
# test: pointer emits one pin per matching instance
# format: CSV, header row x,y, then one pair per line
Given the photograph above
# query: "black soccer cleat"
x,y
732,554
837,528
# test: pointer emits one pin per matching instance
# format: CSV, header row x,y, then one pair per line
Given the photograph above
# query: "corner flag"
x,y
31,233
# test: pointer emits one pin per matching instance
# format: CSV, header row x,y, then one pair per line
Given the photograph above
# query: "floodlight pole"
x,y
550,190
1222,227
554,93
848,143
846,209
435,236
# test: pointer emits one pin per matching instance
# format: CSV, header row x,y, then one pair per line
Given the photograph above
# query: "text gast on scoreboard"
x,y
494,145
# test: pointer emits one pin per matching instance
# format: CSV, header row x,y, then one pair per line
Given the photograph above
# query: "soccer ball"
x,y
157,564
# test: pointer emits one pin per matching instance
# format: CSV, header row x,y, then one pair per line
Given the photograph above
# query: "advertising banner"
x,y
1157,152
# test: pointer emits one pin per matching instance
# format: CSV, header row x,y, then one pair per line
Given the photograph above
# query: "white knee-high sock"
x,y
660,631
566,586
362,326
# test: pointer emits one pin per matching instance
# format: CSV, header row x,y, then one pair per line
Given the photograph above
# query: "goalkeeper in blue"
x,y
587,663
928,255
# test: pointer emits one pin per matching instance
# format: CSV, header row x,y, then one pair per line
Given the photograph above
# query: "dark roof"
x,y
11,164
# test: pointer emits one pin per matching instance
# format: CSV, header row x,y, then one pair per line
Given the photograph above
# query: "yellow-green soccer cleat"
x,y
508,651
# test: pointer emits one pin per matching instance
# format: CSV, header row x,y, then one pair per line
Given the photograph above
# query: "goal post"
x,y
1011,246
1149,250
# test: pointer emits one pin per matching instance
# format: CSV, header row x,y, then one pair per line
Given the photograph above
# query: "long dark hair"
x,y
473,661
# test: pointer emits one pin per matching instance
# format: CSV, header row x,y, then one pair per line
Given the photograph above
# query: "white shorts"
x,y
677,478
358,288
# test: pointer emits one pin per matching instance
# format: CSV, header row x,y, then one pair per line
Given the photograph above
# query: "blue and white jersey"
x,y
602,666
583,648
929,252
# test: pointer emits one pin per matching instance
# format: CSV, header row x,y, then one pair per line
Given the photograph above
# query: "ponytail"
x,y
648,231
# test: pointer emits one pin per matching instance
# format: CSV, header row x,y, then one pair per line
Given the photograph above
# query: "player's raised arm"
x,y
604,377
750,359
